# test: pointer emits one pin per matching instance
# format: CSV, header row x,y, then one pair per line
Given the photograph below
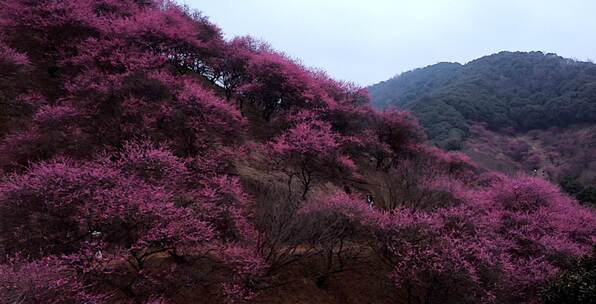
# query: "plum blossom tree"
x,y
276,83
16,67
397,129
310,150
106,215
48,280
432,265
502,242
232,67
97,199
336,227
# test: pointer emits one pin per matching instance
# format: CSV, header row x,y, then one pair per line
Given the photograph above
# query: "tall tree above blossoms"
x,y
231,69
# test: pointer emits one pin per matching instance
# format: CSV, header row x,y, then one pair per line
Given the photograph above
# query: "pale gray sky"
x,y
370,41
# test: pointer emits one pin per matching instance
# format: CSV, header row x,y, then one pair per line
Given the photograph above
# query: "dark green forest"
x,y
507,91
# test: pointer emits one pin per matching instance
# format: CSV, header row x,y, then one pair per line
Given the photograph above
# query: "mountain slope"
x,y
506,103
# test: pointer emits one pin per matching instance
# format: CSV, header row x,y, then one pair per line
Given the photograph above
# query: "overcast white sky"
x,y
370,41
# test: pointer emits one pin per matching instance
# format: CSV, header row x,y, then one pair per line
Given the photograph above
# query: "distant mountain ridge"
x,y
520,91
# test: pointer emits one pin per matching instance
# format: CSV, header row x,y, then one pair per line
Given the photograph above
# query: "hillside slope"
x,y
145,159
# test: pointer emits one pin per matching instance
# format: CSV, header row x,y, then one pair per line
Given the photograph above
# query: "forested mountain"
x,y
511,111
146,159
510,90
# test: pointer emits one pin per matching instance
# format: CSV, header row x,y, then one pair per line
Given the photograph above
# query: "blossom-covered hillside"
x,y
145,159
